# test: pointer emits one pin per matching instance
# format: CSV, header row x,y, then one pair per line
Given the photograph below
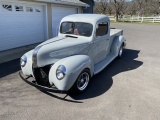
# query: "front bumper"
x,y
43,88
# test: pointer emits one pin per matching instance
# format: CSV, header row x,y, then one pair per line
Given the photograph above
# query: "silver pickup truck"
x,y
85,45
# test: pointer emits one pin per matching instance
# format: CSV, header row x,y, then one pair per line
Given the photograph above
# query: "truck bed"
x,y
116,32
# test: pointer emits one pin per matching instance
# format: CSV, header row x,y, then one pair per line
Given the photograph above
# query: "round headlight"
x,y
61,72
23,60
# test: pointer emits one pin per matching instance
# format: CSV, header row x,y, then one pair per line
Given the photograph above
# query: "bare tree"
x,y
102,6
131,8
119,5
147,7
110,8
125,7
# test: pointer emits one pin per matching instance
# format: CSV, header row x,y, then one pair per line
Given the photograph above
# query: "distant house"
x,y
90,8
25,22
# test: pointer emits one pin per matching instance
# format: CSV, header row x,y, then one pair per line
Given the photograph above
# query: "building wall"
x,y
49,10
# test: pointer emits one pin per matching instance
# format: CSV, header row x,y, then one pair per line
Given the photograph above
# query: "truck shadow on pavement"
x,y
10,67
103,81
99,84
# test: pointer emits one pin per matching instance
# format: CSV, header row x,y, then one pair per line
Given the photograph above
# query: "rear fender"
x,y
74,66
116,44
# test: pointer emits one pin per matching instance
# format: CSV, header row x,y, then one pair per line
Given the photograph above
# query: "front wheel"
x,y
81,83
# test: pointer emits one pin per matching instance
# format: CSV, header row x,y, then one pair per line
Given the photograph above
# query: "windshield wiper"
x,y
71,36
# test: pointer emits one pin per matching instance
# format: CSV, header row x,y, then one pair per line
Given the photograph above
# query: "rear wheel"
x,y
81,83
120,53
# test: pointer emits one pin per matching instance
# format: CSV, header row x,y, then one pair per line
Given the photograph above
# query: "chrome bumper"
x,y
43,88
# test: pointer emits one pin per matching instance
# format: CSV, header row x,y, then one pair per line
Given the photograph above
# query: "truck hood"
x,y
57,48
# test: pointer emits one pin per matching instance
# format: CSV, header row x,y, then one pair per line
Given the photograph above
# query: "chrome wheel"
x,y
83,81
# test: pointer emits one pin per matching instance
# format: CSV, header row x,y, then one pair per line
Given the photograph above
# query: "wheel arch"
x,y
118,41
74,66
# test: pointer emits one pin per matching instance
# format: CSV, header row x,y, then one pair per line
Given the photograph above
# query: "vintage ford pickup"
x,y
85,45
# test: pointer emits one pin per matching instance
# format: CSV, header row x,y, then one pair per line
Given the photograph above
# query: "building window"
x,y
29,9
7,7
19,8
102,29
37,10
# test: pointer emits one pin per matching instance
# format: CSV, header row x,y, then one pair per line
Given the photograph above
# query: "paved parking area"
x,y
128,89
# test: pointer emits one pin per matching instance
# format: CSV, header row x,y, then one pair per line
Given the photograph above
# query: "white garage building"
x,y
27,22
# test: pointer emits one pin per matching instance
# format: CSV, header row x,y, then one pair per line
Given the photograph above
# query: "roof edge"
x,y
79,3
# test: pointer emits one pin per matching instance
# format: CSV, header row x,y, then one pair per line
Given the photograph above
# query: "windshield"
x,y
77,28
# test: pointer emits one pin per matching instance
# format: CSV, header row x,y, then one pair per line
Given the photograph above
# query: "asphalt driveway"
x,y
128,89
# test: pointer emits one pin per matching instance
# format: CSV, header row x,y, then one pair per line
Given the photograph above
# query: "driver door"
x,y
101,40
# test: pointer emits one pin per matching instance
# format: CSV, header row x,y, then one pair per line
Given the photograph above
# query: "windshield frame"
x,y
74,26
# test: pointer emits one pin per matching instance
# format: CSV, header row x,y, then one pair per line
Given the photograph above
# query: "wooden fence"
x,y
137,19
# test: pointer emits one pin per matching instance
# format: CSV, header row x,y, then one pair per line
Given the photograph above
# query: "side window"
x,y
102,29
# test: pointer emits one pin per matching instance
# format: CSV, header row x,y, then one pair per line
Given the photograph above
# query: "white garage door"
x,y
57,14
21,24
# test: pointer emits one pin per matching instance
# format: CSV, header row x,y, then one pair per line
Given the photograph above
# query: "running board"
x,y
101,65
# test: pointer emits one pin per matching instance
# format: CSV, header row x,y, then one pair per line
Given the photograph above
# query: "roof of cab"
x,y
88,18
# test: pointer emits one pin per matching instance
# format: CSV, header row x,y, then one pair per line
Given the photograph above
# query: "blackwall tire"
x,y
120,53
81,83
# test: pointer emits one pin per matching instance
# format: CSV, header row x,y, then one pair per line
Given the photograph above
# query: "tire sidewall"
x,y
74,89
120,55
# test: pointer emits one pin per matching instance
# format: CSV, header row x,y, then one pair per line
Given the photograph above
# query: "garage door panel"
x,y
8,21
21,28
20,32
60,10
57,14
29,40
12,37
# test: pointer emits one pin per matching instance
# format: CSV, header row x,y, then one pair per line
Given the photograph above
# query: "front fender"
x,y
27,69
74,66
